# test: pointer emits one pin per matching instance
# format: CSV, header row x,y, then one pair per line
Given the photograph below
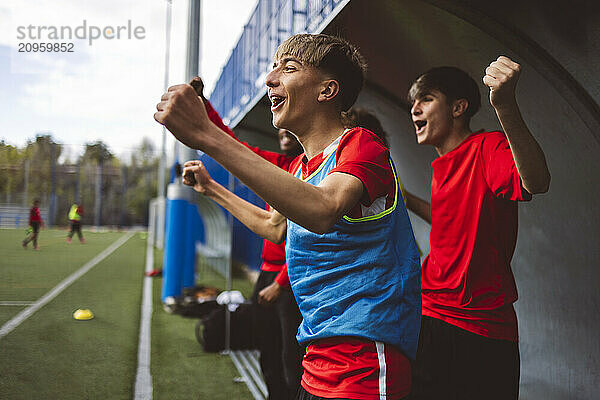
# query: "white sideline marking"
x,y
16,303
143,378
45,299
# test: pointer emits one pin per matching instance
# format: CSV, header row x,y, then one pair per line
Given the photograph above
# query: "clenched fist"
x,y
501,77
196,176
198,86
182,112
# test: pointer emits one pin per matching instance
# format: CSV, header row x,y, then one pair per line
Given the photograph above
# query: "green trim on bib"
x,y
384,212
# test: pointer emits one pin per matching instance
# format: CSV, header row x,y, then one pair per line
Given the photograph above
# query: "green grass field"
x,y
53,356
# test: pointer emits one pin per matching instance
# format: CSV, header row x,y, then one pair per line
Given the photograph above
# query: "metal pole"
x,y
192,61
123,196
179,246
26,184
52,210
163,156
182,152
78,183
162,165
231,187
98,202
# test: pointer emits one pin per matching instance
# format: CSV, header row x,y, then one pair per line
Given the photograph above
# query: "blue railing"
x,y
242,80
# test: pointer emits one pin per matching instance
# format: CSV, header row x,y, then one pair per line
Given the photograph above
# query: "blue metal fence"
x,y
17,216
242,84
242,80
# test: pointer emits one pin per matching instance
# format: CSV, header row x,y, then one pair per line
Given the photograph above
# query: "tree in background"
x,y
126,185
42,153
11,160
98,154
142,180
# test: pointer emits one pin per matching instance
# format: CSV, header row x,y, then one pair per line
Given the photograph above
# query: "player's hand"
x,y
501,77
269,294
181,111
198,86
196,176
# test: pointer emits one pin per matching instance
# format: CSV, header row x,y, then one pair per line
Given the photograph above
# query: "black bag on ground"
x,y
210,330
197,310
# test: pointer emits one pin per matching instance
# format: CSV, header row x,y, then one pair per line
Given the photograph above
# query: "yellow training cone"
x,y
83,314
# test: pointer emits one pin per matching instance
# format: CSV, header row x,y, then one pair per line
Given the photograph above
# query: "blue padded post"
x,y
176,245
189,257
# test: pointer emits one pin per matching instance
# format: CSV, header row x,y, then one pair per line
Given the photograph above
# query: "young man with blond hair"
x,y
351,255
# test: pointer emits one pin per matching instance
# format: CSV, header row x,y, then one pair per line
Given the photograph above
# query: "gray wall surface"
x,y
557,258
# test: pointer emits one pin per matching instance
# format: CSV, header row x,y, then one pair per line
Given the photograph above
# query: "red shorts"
x,y
348,367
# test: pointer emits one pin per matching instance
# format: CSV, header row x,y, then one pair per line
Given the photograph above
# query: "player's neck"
x,y
319,133
453,139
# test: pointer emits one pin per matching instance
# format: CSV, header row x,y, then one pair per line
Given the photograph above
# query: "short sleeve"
x,y
500,170
362,154
282,277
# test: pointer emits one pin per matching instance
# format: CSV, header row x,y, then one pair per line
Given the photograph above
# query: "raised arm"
x,y
270,225
316,208
501,77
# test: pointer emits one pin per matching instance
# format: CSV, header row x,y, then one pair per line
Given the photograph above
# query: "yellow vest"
x,y
73,216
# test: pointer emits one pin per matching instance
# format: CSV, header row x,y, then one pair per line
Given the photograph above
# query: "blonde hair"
x,y
333,56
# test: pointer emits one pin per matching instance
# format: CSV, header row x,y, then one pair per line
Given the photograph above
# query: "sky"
x,y
105,88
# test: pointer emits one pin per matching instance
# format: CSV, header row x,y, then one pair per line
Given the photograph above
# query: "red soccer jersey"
x,y
34,215
348,367
273,255
362,154
467,278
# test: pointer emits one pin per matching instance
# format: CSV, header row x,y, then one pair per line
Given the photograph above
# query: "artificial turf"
x,y
52,356
28,274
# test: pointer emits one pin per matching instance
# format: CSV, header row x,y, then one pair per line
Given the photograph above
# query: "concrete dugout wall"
x,y
557,259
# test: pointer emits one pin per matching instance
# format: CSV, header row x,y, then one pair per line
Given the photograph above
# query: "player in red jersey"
x,y
468,346
35,222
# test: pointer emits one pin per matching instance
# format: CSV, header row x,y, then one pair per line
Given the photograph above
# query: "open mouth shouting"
x,y
276,101
420,125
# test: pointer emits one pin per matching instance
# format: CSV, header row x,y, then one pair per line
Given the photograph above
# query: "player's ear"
x,y
459,107
329,89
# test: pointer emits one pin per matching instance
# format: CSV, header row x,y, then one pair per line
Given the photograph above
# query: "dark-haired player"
x,y
468,346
